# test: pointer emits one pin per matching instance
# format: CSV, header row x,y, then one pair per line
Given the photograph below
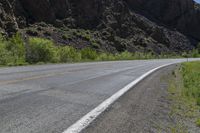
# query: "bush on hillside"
x,y
69,54
195,53
4,54
124,56
89,54
17,49
105,57
41,50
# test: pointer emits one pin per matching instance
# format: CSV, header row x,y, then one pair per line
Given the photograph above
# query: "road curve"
x,y
50,98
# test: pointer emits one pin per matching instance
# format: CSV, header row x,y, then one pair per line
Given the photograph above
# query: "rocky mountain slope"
x,y
160,26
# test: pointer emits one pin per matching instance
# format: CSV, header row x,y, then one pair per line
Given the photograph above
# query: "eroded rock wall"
x,y
158,25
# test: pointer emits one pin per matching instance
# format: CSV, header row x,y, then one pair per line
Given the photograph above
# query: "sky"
x,y
197,1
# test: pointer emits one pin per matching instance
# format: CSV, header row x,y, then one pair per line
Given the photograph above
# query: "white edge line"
x,y
88,118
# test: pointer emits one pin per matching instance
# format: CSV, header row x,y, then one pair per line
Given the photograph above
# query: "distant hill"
x,y
159,26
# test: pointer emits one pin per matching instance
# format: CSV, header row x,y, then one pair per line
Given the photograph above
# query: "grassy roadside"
x,y
15,51
185,96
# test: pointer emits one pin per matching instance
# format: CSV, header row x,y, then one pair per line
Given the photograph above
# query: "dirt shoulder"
x,y
146,108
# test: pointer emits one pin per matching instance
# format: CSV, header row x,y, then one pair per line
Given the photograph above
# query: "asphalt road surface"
x,y
146,108
50,98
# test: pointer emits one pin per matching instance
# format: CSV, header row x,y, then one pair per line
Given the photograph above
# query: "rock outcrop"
x,y
155,25
180,14
8,21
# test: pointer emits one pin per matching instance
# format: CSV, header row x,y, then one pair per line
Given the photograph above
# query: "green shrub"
x,y
125,56
149,55
198,122
41,50
17,49
89,54
69,54
4,54
106,57
12,51
102,57
195,53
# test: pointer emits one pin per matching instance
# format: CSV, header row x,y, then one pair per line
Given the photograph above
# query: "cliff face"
x,y
7,17
179,14
118,25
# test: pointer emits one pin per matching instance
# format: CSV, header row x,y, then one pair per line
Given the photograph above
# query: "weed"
x,y
198,122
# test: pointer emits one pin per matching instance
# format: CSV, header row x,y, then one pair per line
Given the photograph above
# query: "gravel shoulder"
x,y
144,109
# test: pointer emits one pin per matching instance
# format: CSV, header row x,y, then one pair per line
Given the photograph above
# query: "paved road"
x,y
50,98
144,109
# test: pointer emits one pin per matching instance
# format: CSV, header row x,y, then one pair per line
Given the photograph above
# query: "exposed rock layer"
x,y
121,25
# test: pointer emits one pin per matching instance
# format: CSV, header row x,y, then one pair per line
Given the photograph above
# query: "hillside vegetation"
x,y
17,51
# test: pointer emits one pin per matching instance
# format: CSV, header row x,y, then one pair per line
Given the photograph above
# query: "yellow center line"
x,y
31,78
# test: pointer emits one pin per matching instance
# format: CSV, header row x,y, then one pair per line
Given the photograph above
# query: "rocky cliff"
x,y
156,25
180,14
